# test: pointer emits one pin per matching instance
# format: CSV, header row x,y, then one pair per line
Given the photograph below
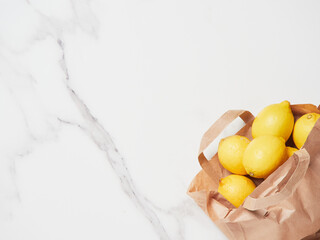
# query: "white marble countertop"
x,y
103,105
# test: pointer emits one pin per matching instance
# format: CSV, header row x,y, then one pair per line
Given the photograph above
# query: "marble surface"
x,y
103,105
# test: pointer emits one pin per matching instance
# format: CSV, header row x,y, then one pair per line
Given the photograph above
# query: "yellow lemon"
x,y
236,188
263,155
275,119
290,151
303,127
230,153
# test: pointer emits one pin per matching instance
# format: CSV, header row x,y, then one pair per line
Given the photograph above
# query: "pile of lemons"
x,y
265,153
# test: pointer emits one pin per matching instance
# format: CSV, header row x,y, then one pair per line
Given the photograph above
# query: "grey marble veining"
x,y
103,105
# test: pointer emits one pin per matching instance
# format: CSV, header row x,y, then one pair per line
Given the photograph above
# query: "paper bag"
x,y
286,205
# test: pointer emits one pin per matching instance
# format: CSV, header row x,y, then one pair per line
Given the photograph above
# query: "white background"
x,y
155,75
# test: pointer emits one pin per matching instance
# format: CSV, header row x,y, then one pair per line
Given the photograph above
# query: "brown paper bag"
x,y
286,205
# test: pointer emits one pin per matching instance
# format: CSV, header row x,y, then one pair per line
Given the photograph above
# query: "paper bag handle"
x,y
228,124
301,160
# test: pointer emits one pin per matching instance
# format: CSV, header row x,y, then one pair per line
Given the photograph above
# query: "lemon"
x,y
303,127
263,155
236,188
291,151
230,153
275,119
